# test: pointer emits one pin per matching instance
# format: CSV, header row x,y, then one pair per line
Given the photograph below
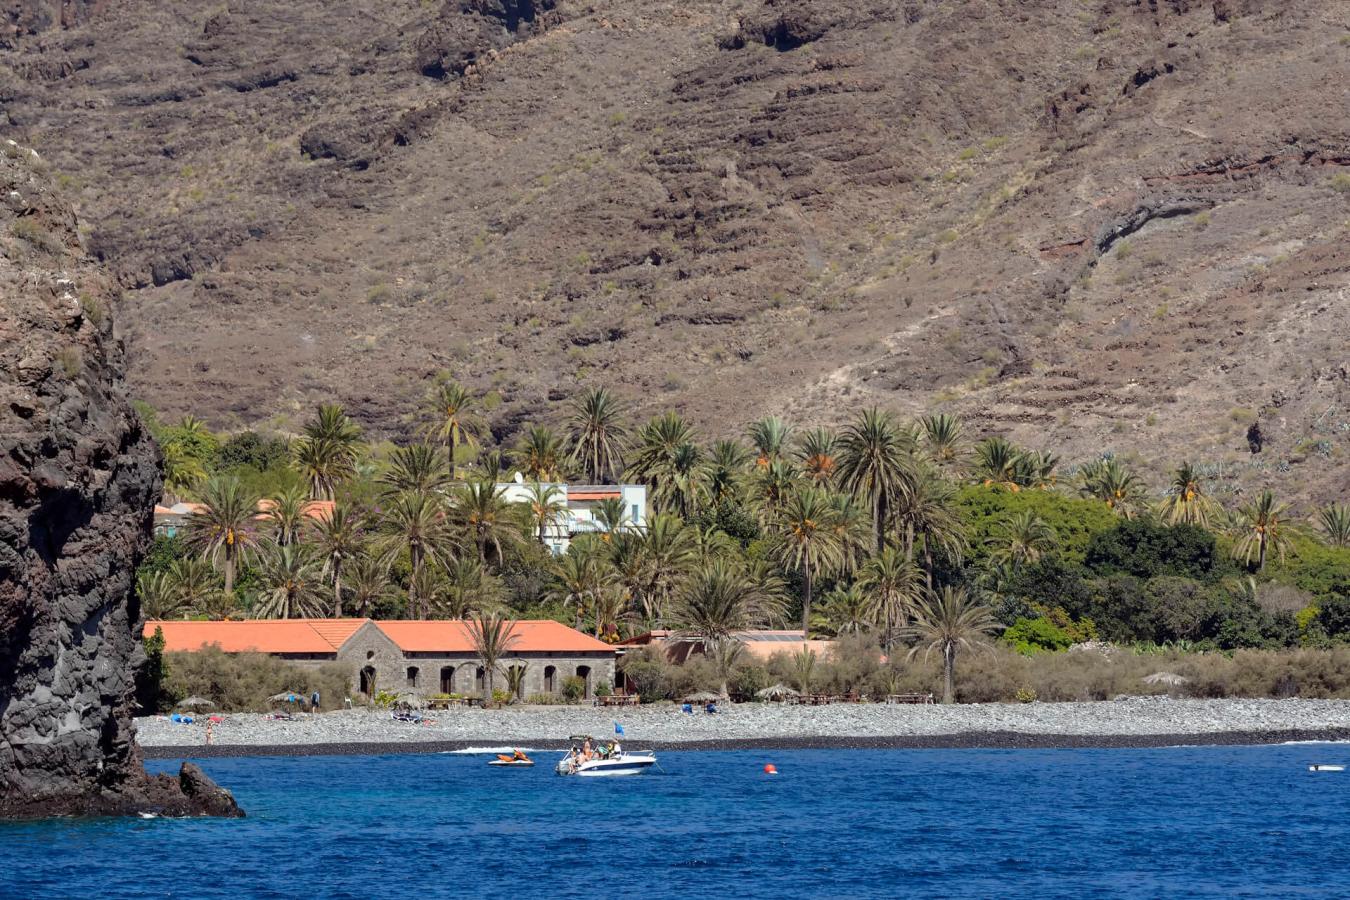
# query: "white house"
x,y
582,501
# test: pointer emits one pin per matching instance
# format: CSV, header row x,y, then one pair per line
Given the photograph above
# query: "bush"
x,y
1030,636
500,697
1147,550
602,689
544,700
647,673
574,688
1074,520
239,682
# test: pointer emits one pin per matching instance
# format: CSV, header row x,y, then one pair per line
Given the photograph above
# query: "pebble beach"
x,y
1152,721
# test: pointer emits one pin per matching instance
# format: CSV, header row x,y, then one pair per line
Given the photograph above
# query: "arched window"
x,y
412,676
479,675
447,679
550,679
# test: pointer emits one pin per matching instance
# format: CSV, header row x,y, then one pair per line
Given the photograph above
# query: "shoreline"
x,y
981,740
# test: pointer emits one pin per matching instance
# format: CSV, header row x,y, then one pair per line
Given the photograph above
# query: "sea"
x,y
1174,822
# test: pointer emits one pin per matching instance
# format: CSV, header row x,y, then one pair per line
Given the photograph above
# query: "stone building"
x,y
429,657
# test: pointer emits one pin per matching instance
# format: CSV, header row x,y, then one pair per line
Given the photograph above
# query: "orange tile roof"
x,y
260,635
327,635
161,510
532,636
314,509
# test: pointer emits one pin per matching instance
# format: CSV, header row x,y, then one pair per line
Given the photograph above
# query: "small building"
x,y
759,644
171,521
582,502
426,656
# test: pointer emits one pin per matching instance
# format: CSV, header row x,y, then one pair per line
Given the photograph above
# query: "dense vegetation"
x,y
907,534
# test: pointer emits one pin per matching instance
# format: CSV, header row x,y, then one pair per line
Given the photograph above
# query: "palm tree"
x,y
284,513
416,520
182,470
493,636
1110,482
158,597
852,526
1186,502
727,464
612,515
454,420
876,465
806,542
221,529
770,486
1036,469
929,515
339,537
547,508
194,583
612,608
326,453
684,487
725,655
482,511
818,453
492,465
596,433
894,582
942,439
1262,526
848,610
367,583
515,680
656,443
540,454
579,576
719,599
948,622
997,463
292,583
1023,537
668,551
428,591
1334,520
770,437
469,589
417,467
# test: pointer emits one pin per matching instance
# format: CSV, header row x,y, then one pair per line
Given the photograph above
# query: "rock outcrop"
x,y
79,477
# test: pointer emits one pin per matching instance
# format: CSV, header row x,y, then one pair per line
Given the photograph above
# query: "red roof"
x,y
531,636
327,635
258,635
594,495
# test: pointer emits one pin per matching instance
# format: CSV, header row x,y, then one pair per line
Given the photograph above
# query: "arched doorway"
x,y
550,679
413,673
368,681
479,676
447,679
516,675
584,673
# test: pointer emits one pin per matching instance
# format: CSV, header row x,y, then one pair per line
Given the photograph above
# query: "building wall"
x,y
371,648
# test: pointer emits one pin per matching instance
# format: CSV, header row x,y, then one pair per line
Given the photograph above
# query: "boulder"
x,y
79,476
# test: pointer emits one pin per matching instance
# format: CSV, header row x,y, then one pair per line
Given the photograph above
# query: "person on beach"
x,y
314,702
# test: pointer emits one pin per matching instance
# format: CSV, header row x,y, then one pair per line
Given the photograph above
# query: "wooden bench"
x,y
893,699
619,700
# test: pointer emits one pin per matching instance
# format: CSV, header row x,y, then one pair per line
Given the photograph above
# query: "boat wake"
x,y
479,751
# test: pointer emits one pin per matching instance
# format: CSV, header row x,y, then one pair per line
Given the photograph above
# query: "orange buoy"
x,y
770,769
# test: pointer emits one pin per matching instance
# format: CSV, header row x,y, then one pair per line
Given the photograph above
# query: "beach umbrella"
x,y
703,697
287,697
777,692
195,701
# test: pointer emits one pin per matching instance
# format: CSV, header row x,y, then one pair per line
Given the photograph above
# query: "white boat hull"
x,y
625,764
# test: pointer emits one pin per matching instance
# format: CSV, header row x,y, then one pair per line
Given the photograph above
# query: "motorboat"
x,y
1324,767
601,764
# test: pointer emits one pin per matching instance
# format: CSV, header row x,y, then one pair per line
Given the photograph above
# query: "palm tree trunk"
x,y
949,673
1261,554
337,590
928,563
229,572
806,607
454,445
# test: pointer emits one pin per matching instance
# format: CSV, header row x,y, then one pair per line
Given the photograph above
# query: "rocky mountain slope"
x,y
1097,224
79,477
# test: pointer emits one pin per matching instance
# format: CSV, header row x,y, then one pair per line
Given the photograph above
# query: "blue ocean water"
x,y
1216,821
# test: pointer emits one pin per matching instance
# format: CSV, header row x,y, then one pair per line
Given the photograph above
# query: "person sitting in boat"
x,y
586,751
615,749
519,756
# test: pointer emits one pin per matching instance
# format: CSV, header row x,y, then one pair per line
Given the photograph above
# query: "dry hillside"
x,y
1083,223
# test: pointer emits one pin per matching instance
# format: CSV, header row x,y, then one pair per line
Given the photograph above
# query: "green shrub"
x,y
602,689
1147,549
500,696
574,688
544,700
1075,520
1030,636
238,682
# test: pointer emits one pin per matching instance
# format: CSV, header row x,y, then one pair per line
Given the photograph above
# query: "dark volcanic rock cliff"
x,y
78,480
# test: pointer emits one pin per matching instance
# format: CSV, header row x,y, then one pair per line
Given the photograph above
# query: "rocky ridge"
x,y
1086,225
79,476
